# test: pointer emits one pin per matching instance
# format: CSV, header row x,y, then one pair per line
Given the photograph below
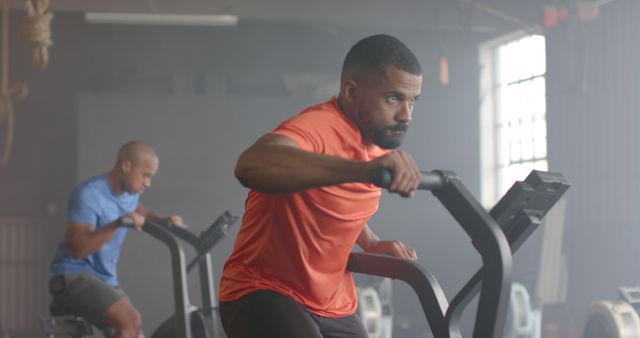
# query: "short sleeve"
x,y
83,206
305,130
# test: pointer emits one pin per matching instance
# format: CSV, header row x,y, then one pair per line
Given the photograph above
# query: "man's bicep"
x,y
304,137
83,206
76,230
276,139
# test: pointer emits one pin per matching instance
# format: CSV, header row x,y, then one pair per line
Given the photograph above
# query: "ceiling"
x,y
421,14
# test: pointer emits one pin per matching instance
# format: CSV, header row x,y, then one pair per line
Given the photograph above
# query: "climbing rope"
x,y
37,29
8,93
16,92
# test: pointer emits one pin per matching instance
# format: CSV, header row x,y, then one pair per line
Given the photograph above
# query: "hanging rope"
x,y
16,92
8,94
37,29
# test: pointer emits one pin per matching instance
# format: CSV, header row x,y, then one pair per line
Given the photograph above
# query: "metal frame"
x,y
495,235
169,234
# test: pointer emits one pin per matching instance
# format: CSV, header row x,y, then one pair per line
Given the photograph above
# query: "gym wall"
x,y
592,92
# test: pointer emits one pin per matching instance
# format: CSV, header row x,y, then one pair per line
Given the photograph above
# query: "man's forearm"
x,y
86,241
367,238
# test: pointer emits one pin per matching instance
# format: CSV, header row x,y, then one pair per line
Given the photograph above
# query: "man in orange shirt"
x,y
311,199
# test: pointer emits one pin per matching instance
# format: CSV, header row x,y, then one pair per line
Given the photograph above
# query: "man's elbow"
x,y
243,171
76,253
75,250
243,175
256,175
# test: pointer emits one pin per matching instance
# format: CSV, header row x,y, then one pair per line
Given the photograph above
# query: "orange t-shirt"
x,y
298,244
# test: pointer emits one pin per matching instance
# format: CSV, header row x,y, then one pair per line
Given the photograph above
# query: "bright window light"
x,y
513,112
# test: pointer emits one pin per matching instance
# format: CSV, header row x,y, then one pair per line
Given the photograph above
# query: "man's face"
x,y
384,106
137,176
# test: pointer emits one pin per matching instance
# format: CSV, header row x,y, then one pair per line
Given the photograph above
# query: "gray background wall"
x,y
593,104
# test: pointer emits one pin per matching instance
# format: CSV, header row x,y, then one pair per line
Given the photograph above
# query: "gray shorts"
x,y
84,295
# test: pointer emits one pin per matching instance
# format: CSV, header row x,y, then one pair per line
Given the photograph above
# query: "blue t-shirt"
x,y
92,202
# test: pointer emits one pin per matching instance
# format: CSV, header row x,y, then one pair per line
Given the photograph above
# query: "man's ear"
x,y
349,91
125,166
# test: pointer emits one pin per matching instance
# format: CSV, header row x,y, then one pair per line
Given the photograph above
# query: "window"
x,y
513,112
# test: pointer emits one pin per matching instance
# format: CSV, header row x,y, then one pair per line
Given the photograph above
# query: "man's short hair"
x,y
373,54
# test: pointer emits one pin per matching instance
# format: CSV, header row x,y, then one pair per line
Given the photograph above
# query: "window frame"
x,y
490,98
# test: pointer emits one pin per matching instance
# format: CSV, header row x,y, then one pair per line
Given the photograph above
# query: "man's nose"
x,y
404,115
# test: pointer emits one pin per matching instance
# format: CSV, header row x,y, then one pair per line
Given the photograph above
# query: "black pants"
x,y
268,314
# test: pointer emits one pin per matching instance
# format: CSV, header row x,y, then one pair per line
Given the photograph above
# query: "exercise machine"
x,y
496,235
614,318
375,307
65,324
522,321
189,321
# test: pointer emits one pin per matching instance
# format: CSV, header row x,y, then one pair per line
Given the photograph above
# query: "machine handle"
x,y
431,180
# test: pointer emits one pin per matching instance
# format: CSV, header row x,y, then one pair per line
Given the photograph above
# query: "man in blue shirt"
x,y
84,270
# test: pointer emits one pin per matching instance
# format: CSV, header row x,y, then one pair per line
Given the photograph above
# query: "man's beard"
x,y
390,137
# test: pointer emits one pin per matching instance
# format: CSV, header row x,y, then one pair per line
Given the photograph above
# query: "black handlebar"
x,y
203,243
432,180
